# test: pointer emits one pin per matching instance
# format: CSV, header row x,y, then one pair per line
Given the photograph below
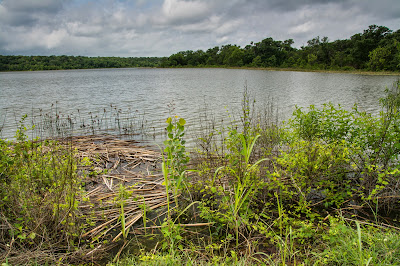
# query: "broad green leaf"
x,y
182,121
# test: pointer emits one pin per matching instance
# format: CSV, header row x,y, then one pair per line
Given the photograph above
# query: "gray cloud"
x,y
47,6
163,27
27,13
291,5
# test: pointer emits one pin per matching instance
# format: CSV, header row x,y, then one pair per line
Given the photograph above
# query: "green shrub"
x,y
40,192
352,153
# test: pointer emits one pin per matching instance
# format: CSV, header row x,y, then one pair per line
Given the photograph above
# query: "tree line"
x,y
23,63
376,49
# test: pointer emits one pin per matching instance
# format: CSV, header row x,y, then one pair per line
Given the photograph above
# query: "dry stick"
x,y
130,208
112,227
132,173
182,225
115,218
136,218
154,199
98,227
132,221
156,182
115,176
150,199
133,161
108,184
120,250
92,191
101,197
108,158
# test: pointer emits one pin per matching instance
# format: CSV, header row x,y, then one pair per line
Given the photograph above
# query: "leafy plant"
x,y
174,164
353,152
173,168
40,192
123,194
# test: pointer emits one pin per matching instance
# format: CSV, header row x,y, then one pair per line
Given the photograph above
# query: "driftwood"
x,y
114,162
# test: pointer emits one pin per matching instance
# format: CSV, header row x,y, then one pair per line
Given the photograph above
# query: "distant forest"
x,y
23,63
376,49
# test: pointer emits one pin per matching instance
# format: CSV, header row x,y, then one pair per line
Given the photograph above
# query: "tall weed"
x,y
40,192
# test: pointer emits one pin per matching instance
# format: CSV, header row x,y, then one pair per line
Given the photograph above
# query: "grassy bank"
x,y
296,69
320,189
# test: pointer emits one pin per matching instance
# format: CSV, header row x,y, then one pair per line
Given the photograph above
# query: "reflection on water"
x,y
149,92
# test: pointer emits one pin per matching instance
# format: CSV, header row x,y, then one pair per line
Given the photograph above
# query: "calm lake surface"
x,y
144,96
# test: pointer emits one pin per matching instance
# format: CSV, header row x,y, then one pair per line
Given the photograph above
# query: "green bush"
x,y
352,153
40,192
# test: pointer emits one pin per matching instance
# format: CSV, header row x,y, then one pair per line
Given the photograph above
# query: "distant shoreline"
x,y
359,72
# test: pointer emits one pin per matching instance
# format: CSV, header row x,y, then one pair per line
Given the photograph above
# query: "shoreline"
x,y
354,72
359,72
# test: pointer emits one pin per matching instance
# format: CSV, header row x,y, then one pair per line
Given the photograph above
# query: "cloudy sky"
x,y
162,27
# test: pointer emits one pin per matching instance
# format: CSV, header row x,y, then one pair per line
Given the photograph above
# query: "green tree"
x,y
363,44
235,58
269,47
312,59
378,58
257,61
212,55
177,59
271,61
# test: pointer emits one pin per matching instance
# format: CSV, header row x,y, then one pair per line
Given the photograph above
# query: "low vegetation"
x,y
40,194
36,62
321,189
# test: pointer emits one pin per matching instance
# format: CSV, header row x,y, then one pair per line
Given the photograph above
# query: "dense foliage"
x,y
20,63
376,49
39,196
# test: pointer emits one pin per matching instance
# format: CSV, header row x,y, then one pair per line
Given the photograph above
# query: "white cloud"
x,y
306,27
229,27
163,27
222,40
77,28
54,38
179,10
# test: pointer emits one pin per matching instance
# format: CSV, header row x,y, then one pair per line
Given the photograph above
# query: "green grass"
x,y
363,245
335,243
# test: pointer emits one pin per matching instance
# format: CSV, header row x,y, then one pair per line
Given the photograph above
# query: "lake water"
x,y
82,97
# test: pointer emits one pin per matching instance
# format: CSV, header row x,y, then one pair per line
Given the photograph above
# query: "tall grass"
x,y
55,123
